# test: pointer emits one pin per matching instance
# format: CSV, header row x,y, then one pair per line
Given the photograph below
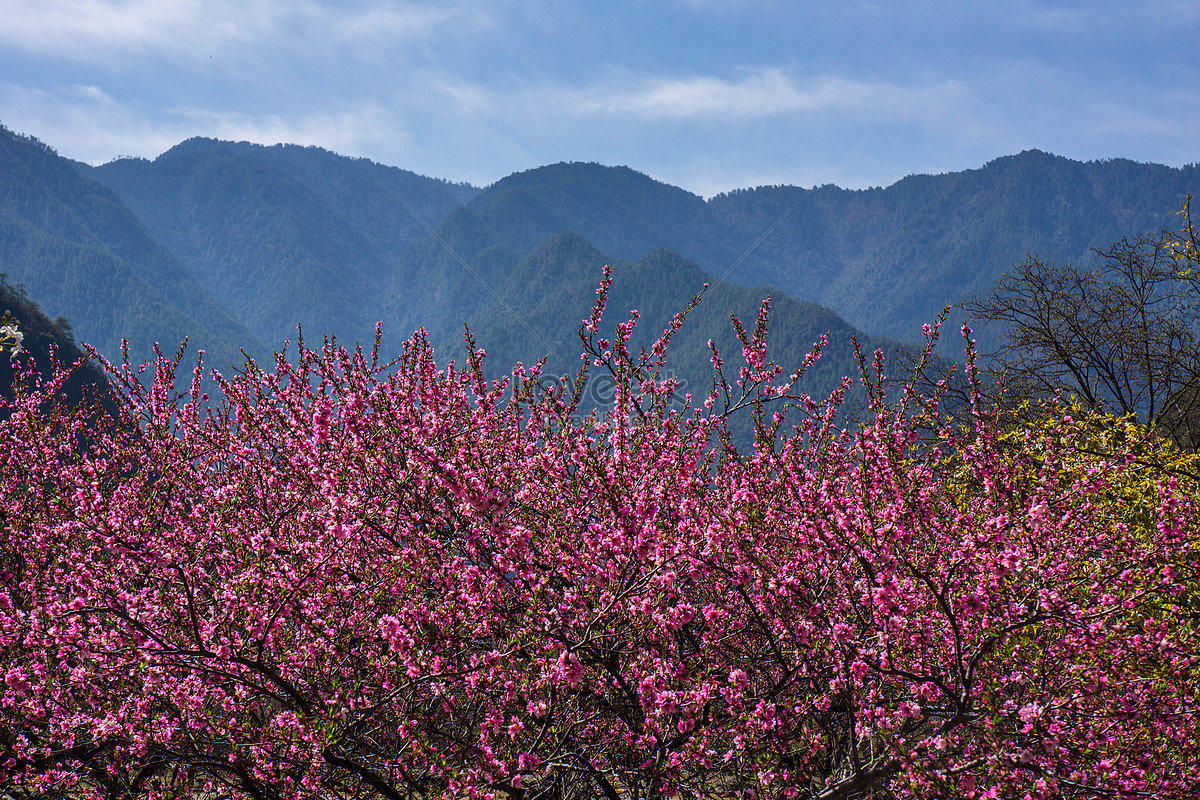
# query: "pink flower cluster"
x,y
351,580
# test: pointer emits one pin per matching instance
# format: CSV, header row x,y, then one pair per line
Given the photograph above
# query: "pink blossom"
x,y
419,575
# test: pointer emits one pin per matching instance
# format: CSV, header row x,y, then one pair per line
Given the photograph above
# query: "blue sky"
x,y
710,95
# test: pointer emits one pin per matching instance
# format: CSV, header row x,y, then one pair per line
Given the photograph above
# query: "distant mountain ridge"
x,y
283,235
504,265
886,259
81,254
238,243
889,259
554,287
243,216
624,212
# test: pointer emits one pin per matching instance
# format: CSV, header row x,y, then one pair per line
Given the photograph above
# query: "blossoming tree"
x,y
350,579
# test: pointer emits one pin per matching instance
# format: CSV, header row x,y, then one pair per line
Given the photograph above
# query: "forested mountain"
x,y
284,235
889,259
444,280
82,254
625,213
512,265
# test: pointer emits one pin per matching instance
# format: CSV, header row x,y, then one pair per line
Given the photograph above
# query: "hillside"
x,y
889,259
552,289
283,235
627,214
82,254
525,301
886,259
238,243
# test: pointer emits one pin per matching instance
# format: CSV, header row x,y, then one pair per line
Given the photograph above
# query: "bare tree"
x,y
1122,335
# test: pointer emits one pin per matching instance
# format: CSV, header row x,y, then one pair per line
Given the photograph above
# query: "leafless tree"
x,y
1122,334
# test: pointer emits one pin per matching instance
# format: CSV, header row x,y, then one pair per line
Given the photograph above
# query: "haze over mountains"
x,y
235,244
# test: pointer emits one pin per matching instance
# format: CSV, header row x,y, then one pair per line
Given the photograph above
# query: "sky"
x,y
710,95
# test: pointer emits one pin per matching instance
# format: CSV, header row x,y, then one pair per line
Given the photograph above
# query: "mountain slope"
x,y
444,280
83,254
284,235
40,337
889,259
625,213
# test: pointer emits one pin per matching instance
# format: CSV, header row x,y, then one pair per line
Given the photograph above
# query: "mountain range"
x,y
235,244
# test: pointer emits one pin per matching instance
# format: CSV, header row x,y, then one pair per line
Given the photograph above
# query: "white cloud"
x,y
765,92
100,31
90,93
1086,18
393,23
92,29
452,93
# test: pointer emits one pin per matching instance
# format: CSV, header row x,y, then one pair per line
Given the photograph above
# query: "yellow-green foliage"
x,y
1135,468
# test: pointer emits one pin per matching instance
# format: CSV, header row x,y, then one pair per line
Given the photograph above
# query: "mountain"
x,y
504,266
284,235
537,312
81,253
890,259
625,213
240,242
509,265
886,259
444,280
